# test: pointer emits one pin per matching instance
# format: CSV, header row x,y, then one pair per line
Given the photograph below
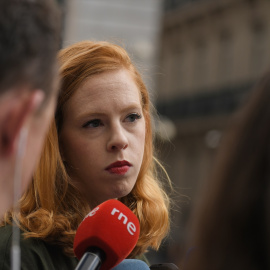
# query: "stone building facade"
x,y
212,53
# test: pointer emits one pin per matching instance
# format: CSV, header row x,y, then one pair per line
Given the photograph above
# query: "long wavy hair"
x,y
52,207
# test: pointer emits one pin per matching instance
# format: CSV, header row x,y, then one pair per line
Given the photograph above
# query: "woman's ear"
x,y
22,107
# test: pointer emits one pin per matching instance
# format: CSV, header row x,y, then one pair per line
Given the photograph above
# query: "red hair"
x,y
52,207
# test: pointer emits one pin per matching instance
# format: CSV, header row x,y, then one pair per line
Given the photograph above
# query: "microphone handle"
x,y
91,260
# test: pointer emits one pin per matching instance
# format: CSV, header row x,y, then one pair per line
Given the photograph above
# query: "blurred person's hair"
x,y
29,41
231,224
52,208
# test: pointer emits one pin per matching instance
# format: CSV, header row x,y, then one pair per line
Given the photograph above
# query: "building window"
x,y
200,64
174,4
226,61
177,69
259,49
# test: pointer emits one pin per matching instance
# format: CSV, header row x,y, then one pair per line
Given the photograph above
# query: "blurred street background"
x,y
199,59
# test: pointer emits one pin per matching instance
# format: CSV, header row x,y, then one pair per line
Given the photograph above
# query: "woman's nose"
x,y
117,140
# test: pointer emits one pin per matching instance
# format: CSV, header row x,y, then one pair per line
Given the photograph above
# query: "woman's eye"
x,y
133,117
92,124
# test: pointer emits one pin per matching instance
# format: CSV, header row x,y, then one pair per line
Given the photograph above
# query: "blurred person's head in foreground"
x,y
29,41
231,224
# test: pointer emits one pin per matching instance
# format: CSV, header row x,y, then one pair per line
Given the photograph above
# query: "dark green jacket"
x,y
37,254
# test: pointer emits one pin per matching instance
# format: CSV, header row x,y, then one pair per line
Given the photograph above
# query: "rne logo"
x,y
92,213
131,228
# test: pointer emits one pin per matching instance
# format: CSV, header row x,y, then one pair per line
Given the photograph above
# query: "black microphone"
x,y
164,266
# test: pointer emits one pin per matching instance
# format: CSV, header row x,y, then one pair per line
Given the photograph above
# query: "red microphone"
x,y
106,236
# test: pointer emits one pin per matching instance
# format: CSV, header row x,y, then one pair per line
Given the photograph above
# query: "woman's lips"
x,y
119,167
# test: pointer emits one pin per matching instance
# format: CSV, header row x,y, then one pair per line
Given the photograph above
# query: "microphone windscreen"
x,y
113,228
132,264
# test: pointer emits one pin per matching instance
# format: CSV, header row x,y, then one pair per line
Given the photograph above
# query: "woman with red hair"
x,y
99,147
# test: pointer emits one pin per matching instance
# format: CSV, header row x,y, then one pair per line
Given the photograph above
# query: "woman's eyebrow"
x,y
101,112
90,114
132,106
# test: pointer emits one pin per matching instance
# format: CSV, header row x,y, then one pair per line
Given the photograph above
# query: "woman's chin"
x,y
120,193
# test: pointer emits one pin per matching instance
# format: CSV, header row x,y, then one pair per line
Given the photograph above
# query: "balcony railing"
x,y
219,102
174,4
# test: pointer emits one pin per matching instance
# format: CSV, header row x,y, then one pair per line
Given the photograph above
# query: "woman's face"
x,y
103,134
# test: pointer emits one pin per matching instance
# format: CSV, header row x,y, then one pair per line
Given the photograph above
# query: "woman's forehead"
x,y
109,88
